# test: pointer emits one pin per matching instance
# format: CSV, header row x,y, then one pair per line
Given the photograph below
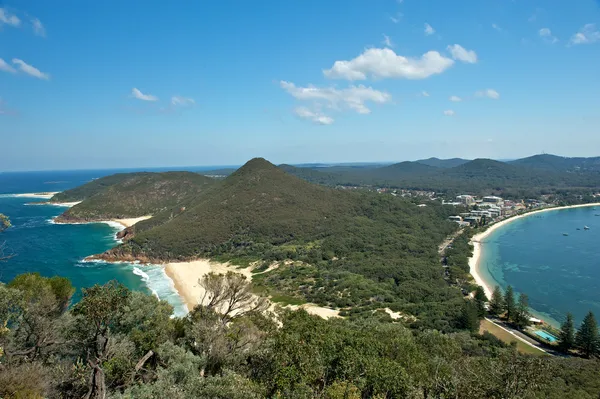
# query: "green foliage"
x,y
587,338
497,304
480,300
350,249
480,176
566,338
522,315
509,303
250,356
469,318
133,195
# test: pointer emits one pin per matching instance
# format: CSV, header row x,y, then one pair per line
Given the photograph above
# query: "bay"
x,y
559,273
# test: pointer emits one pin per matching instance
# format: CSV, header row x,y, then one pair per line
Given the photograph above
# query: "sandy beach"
x,y
44,195
185,276
131,221
478,242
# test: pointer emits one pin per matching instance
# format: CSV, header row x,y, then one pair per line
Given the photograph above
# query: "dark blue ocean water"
x,y
559,273
51,249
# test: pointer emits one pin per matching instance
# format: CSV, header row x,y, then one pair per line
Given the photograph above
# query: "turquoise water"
x,y
51,249
546,336
559,273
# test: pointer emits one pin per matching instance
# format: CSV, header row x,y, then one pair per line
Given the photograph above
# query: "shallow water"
x,y
559,273
51,249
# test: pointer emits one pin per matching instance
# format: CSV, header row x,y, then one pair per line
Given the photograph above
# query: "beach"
x,y
44,195
477,241
185,276
128,222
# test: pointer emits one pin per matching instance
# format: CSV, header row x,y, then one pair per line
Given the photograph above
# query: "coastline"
x,y
44,195
185,276
477,242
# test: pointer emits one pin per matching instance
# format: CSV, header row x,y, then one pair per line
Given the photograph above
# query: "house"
x,y
456,219
492,199
473,220
466,199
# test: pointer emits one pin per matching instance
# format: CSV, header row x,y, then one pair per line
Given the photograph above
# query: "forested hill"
x,y
132,195
356,250
443,163
556,163
522,178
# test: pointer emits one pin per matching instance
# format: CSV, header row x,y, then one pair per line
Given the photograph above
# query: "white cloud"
x,y
425,94
586,35
546,34
488,93
30,69
6,18
396,18
182,101
461,54
385,63
455,99
314,116
387,41
449,112
135,93
5,67
353,98
495,26
38,27
429,30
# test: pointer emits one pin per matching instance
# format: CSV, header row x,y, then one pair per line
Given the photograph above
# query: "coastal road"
x,y
448,241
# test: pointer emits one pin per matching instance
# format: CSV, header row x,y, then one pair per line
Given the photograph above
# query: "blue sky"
x,y
133,84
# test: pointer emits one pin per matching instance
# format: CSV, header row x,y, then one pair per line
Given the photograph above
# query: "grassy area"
x,y
285,300
507,337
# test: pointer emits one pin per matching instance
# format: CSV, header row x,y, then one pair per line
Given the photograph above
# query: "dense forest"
x,y
132,195
563,178
357,251
120,344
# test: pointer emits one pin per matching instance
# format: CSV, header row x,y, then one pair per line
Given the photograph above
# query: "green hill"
x,y
132,195
352,249
556,163
443,163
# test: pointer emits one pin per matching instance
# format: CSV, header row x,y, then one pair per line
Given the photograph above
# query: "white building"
x,y
492,199
466,199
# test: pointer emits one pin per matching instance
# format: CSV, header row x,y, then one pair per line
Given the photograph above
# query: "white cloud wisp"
x,y
30,69
459,53
587,35
385,63
135,93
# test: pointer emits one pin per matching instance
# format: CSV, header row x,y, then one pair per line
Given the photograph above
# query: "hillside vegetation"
x,y
120,344
132,195
355,250
517,179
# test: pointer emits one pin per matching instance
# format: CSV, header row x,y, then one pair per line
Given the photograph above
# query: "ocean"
x,y
559,273
39,245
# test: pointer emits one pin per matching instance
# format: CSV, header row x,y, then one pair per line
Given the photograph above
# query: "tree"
x,y
497,302
480,300
509,303
99,312
566,337
469,317
587,338
521,318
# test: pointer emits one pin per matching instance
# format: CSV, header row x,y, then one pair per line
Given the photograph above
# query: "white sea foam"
x,y
162,287
138,272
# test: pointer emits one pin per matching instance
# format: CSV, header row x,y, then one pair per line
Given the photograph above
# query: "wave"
x,y
161,286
